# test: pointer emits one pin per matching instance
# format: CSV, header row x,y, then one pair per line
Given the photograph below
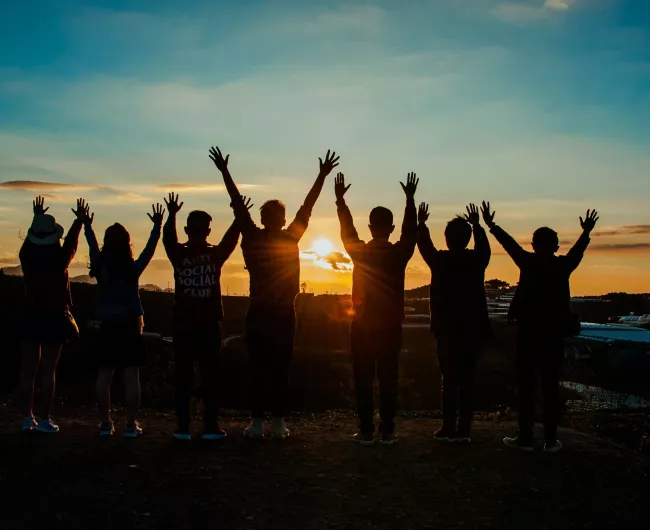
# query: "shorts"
x,y
48,326
120,343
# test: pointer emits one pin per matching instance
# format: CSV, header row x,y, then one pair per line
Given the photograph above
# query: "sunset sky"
x,y
540,106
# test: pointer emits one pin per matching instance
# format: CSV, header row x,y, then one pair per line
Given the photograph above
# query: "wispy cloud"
x,y
34,185
624,231
335,260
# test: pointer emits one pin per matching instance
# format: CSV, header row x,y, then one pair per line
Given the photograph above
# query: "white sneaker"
x,y
47,425
280,431
29,423
255,431
133,430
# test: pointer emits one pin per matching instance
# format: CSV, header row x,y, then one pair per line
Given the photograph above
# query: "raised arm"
x,y
409,236
349,233
577,252
514,249
425,244
481,243
222,165
93,245
145,256
299,225
71,241
230,239
169,236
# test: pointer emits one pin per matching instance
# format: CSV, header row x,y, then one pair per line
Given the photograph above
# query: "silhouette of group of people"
x,y
459,315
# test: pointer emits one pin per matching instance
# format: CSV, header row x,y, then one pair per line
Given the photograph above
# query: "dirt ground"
x,y
317,479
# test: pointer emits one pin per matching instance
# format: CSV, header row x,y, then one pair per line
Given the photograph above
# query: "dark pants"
x,y
202,344
376,349
457,356
270,331
539,355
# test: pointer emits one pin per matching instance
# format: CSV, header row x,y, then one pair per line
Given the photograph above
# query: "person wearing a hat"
x,y
47,322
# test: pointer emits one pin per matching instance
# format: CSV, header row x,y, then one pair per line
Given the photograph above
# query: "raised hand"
x,y
38,206
172,204
82,211
589,222
488,216
340,189
158,212
423,213
247,202
411,185
331,161
218,159
472,216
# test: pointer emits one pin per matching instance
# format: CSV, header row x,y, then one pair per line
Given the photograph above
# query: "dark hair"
x,y
546,237
381,218
458,233
116,256
273,212
198,221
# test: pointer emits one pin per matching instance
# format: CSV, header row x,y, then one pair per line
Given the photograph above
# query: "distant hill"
x,y
83,278
418,292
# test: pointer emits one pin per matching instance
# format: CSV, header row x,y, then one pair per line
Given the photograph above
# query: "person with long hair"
x,y
120,341
47,322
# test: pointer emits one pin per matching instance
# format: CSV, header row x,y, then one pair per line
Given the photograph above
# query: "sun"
x,y
323,247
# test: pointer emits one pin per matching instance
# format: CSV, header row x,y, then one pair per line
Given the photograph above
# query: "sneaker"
x,y
553,447
388,438
445,435
463,436
363,438
255,431
28,424
47,425
133,430
519,443
182,434
214,434
280,431
106,428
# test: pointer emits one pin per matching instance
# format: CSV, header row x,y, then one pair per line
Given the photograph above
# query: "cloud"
x,y
619,247
522,13
558,5
336,261
200,187
624,231
35,185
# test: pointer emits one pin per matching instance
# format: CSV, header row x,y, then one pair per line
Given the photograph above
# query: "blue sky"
x,y
541,106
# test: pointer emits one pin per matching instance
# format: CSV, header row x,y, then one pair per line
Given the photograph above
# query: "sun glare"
x,y
323,247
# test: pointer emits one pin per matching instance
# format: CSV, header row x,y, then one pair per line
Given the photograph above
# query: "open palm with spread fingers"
x,y
82,211
340,189
247,202
488,216
218,159
331,161
38,205
172,204
590,220
411,185
472,216
157,214
423,213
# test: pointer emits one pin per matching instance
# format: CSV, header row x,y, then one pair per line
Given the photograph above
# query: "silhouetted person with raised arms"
x,y
47,322
378,300
459,317
120,343
541,308
273,261
197,313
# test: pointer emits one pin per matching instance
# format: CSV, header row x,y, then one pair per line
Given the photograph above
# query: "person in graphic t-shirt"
x,y
273,261
197,312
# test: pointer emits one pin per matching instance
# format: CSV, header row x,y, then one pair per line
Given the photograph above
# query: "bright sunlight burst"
x,y
323,247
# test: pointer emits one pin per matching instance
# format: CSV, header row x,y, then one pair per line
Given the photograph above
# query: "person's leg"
x,y
31,356
526,370
387,368
103,389
551,367
183,376
363,360
466,371
282,354
446,353
50,355
209,367
258,325
132,393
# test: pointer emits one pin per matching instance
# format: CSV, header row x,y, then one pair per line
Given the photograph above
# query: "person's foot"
x,y
517,442
553,447
388,438
47,425
106,429
363,438
280,431
133,430
255,431
214,433
182,434
445,434
28,424
463,436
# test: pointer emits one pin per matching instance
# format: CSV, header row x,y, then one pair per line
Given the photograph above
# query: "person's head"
x,y
116,255
198,226
44,231
545,241
458,233
273,215
381,223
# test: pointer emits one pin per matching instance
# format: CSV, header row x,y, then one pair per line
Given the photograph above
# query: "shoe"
x,y
255,431
214,434
519,443
133,430
363,438
280,431
28,424
553,447
463,436
47,425
388,438
106,428
182,434
445,435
